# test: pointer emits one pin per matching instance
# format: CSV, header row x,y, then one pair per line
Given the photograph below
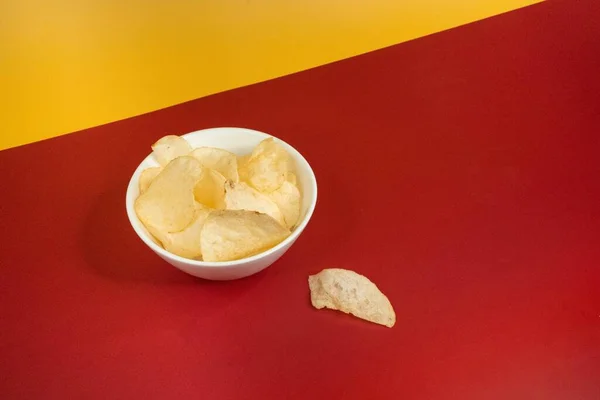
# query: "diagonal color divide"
x,y
69,65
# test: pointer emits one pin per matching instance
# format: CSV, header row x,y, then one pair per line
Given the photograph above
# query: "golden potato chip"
x,y
240,196
147,176
351,293
168,204
185,243
210,189
169,148
219,160
229,235
287,199
242,162
268,166
291,178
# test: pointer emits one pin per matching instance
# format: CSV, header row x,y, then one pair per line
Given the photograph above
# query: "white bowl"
x,y
239,141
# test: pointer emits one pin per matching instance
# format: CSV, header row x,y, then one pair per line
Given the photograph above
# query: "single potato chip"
x,y
168,204
351,293
287,199
219,160
147,176
268,166
240,196
169,148
229,235
210,189
185,243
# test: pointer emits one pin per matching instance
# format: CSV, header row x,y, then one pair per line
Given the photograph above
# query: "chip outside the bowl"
x,y
349,292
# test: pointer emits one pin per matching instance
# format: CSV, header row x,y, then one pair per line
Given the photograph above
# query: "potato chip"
x,y
210,189
240,196
229,235
268,166
219,160
291,178
242,162
287,199
185,243
147,176
169,148
168,204
351,293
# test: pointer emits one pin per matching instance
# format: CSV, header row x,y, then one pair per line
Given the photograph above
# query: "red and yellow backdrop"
x,y
69,65
455,145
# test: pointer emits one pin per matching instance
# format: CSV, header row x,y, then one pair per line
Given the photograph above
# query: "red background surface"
x,y
460,172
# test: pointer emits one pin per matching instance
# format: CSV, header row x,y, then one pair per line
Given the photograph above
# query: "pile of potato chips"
x,y
210,204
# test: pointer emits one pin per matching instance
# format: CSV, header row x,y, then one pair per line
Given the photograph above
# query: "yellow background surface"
x,y
67,65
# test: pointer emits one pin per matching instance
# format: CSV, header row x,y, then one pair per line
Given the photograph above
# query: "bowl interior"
x,y
239,141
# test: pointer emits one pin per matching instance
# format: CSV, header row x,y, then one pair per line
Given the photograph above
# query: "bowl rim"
x,y
132,216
